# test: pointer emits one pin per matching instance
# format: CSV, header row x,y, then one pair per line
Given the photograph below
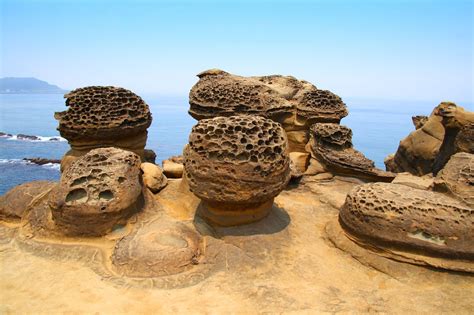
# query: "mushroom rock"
x,y
236,165
457,178
14,204
103,116
153,177
331,145
401,218
173,167
98,191
296,104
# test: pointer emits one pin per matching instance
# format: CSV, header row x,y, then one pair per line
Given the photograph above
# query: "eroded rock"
x,y
159,248
153,177
237,165
103,116
15,202
331,145
173,167
404,218
449,129
97,192
296,104
457,178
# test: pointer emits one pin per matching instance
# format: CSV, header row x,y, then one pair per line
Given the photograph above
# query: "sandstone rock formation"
x,y
237,165
457,178
97,192
157,249
296,104
173,167
408,219
331,146
103,116
153,177
15,202
427,149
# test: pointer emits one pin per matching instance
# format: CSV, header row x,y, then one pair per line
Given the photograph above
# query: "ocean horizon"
x,y
377,126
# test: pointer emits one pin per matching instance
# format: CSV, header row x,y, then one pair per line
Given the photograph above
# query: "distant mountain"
x,y
28,86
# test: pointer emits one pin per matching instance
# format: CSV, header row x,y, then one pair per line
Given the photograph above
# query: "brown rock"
x,y
149,156
235,165
158,248
98,191
401,217
173,167
419,121
296,104
407,179
300,160
457,178
331,145
153,177
15,202
103,116
426,150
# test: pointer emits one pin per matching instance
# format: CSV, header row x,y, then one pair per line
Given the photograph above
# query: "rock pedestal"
x,y
236,165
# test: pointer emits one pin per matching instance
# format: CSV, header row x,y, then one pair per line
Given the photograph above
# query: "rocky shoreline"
x,y
270,204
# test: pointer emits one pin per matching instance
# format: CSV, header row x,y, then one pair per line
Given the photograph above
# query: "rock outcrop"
x,y
296,104
14,204
331,145
153,177
103,116
449,129
97,192
404,218
157,249
457,178
237,165
173,167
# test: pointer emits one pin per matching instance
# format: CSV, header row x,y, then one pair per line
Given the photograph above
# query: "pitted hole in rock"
x,y
106,195
121,179
77,195
79,181
423,236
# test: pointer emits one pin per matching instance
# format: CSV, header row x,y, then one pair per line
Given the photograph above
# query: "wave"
x,y
54,166
23,137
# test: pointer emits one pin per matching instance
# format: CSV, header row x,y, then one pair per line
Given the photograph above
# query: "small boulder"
x,y
153,177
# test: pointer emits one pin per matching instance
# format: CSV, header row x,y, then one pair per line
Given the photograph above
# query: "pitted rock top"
x,y
103,112
237,159
411,219
98,190
281,98
333,134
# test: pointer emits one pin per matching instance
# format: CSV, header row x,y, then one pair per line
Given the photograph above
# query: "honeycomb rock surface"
x,y
296,104
331,145
98,191
103,112
157,249
457,177
15,202
404,218
103,116
237,161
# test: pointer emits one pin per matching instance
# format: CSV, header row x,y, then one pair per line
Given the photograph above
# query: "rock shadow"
x,y
276,221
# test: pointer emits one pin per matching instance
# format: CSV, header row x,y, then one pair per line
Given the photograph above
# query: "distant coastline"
x,y
11,85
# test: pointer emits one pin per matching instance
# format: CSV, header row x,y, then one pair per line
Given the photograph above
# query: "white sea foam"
x,y
38,138
55,166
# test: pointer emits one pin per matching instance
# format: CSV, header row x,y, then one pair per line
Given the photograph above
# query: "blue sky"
x,y
415,49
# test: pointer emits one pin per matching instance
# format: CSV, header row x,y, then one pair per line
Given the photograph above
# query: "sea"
x,y
377,126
